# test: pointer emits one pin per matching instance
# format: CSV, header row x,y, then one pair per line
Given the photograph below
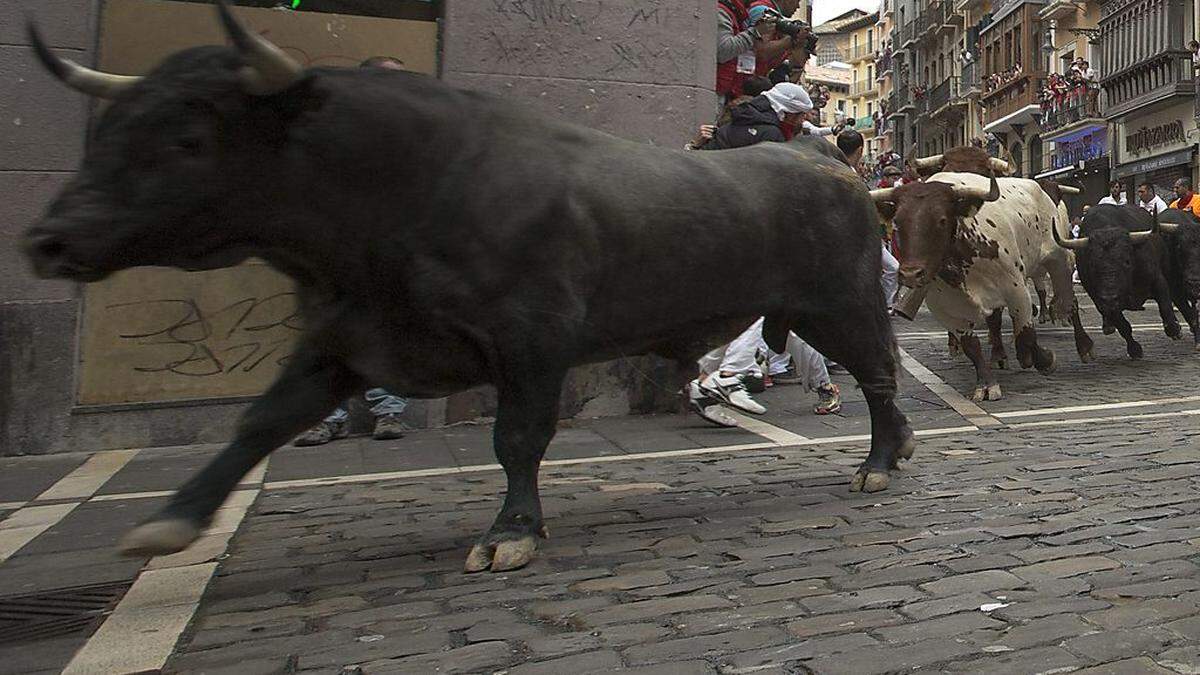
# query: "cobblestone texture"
x,y
1054,548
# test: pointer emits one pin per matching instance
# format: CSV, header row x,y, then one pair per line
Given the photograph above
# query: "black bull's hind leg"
x,y
859,337
526,418
310,387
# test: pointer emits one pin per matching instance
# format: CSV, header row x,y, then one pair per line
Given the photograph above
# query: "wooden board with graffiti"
x,y
156,334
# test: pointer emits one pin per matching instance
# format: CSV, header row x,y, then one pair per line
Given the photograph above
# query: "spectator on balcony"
x,y
1185,199
1149,200
1116,194
1194,48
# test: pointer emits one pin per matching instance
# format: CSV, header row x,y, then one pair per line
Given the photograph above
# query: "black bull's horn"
x,y
86,80
268,69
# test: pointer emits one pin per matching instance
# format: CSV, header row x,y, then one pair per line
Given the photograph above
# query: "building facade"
x,y
1149,88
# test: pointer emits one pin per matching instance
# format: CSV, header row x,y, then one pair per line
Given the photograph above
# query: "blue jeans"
x,y
385,404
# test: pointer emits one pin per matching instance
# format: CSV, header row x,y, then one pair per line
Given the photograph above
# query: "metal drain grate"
x,y
60,613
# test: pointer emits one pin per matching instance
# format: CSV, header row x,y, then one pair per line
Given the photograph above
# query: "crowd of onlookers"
x,y
996,80
1065,90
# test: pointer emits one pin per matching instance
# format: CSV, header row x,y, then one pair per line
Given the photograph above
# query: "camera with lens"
x,y
792,28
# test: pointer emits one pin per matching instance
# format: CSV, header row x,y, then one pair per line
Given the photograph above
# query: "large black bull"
x,y
1182,232
1123,261
442,239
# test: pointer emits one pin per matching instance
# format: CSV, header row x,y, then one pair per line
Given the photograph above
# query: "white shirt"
x,y
814,130
1154,206
1110,200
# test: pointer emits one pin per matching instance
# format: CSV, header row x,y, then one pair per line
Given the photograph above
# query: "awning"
x,y
1023,116
1057,172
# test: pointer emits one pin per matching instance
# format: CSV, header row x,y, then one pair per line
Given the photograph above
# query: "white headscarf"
x,y
787,97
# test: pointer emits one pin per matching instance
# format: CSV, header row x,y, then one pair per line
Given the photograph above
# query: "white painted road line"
x,y
930,334
11,506
1113,418
89,477
768,431
959,403
140,634
606,459
24,525
1037,412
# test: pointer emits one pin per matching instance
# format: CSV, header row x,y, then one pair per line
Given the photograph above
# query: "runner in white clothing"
x,y
1148,199
1116,194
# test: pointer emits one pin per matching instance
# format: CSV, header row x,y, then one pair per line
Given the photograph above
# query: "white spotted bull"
x,y
971,242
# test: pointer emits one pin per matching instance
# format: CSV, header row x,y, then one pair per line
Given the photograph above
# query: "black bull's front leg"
x,y
309,387
526,419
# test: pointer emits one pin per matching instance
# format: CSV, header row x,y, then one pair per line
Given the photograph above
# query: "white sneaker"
x,y
731,391
708,409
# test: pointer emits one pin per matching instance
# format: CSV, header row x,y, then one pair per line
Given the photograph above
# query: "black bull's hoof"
x,y
160,537
869,479
503,551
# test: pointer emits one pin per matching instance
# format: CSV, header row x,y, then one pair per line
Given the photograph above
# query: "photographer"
x,y
742,42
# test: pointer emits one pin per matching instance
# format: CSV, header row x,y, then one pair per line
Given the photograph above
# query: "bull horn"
x,y
1142,235
998,165
86,80
1169,228
929,162
882,194
269,70
1069,190
991,194
1073,244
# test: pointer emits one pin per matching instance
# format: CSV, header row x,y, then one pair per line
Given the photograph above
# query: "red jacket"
x,y
729,80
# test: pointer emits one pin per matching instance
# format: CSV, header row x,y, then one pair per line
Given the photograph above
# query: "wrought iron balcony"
x,y
943,94
904,98
1075,108
861,52
863,87
971,74
1149,81
908,33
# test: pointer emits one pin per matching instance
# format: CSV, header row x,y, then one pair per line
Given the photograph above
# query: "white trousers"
x,y
890,280
738,357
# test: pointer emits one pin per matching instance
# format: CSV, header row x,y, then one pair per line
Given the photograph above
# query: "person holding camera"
x,y
743,42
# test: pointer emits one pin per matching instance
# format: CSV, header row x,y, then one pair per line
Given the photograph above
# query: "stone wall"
x,y
641,69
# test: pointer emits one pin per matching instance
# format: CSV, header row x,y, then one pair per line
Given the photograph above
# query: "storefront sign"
x,y
1155,133
1153,163
1149,138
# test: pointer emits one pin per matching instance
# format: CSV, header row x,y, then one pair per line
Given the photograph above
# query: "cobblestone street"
x,y
1052,531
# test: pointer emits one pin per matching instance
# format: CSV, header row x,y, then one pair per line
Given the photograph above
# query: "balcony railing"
x,y
904,97
860,52
1075,107
971,74
883,65
908,32
1022,91
1150,81
943,94
863,87
927,19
